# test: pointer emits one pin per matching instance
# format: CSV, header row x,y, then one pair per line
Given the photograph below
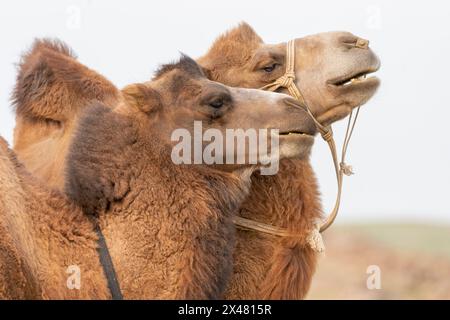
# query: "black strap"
x,y
108,267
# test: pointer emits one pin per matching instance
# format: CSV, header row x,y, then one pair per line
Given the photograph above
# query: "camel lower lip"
x,y
297,132
294,134
368,81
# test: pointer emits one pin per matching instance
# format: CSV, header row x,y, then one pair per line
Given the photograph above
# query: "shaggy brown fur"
x,y
168,237
41,235
51,91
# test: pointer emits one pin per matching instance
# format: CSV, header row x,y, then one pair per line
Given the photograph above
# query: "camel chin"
x,y
295,145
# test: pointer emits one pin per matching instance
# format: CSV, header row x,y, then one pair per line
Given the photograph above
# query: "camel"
x,y
265,266
168,227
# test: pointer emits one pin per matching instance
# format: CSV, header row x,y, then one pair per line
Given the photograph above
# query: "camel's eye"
x,y
217,103
218,100
270,68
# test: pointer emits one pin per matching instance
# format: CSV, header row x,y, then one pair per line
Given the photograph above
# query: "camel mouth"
x,y
296,133
304,136
355,78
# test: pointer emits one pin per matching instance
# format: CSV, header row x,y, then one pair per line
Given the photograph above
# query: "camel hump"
x,y
53,85
54,45
3,143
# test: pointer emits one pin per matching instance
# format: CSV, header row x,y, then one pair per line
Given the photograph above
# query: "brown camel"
x,y
265,266
168,227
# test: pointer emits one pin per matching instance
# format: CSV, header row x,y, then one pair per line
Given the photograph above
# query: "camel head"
x,y
180,99
331,68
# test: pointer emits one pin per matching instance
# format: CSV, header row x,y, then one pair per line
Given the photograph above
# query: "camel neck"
x,y
157,218
153,230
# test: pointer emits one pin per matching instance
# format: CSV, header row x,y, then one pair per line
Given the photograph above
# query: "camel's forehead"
x,y
186,66
328,36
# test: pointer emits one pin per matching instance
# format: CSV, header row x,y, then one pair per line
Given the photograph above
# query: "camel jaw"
x,y
296,137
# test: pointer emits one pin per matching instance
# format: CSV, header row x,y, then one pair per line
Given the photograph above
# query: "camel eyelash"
x,y
270,67
264,64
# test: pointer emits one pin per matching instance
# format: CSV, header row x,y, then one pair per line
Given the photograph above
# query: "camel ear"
x,y
140,96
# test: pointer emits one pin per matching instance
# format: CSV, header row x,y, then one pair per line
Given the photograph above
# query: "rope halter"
x,y
341,168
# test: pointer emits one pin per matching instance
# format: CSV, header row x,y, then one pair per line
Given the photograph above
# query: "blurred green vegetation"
x,y
432,239
414,261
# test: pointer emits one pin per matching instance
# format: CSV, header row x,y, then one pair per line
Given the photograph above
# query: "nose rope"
x,y
341,168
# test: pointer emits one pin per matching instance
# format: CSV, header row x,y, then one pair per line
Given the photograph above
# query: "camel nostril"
x,y
348,39
354,41
362,43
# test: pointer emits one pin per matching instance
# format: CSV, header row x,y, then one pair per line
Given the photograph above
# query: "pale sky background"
x,y
401,147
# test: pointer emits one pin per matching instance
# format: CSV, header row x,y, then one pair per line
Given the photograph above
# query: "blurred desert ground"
x,y
414,261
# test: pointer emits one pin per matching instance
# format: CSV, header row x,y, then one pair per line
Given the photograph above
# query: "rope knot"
x,y
314,239
290,74
346,169
327,134
286,80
